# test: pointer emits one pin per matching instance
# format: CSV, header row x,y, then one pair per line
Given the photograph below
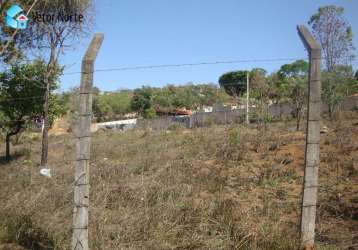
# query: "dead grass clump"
x,y
21,230
234,147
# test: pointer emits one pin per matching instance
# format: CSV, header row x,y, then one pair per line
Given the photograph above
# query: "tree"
x,y
163,98
21,98
336,85
52,38
234,82
110,105
334,34
185,97
293,78
47,36
260,90
142,100
209,94
257,78
356,75
298,68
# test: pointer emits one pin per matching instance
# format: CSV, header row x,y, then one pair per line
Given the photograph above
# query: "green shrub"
x,y
150,113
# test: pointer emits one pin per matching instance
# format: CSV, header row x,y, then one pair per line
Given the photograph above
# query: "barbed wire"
x,y
193,64
185,65
164,66
175,66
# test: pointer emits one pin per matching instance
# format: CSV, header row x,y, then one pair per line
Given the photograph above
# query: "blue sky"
x,y
153,32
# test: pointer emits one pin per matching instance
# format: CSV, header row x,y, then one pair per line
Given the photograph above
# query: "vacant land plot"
x,y
220,187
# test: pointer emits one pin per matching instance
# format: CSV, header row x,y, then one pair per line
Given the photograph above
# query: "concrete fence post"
x,y
83,148
310,184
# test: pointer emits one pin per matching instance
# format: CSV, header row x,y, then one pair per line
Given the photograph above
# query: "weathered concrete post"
x,y
310,185
83,148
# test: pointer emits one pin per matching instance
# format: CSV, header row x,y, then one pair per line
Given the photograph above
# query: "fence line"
x,y
200,119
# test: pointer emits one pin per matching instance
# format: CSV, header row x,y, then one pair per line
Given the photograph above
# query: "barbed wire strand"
x,y
184,65
191,64
164,66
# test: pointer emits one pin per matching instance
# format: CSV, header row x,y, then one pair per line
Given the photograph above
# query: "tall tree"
x,y
52,37
334,33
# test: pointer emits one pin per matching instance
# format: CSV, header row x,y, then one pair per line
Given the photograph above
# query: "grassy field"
x,y
219,187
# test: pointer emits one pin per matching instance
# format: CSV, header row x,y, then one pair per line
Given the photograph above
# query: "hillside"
x,y
220,187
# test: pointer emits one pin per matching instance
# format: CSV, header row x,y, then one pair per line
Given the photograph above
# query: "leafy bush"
x,y
149,113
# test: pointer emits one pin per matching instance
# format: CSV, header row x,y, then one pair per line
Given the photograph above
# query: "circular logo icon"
x,y
15,17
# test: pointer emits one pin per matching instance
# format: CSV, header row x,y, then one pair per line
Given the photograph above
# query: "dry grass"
x,y
220,187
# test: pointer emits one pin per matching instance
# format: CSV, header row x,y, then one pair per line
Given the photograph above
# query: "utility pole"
x,y
310,183
247,97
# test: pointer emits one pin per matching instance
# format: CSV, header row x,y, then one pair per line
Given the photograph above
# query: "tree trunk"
x,y
50,70
44,151
330,111
7,154
16,130
298,118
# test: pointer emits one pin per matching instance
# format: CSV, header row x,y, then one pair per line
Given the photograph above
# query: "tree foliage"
x,y
21,95
170,97
142,99
293,85
335,35
260,90
298,68
111,105
257,78
336,85
234,82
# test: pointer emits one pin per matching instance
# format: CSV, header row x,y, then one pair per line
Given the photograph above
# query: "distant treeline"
x,y
286,86
146,100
